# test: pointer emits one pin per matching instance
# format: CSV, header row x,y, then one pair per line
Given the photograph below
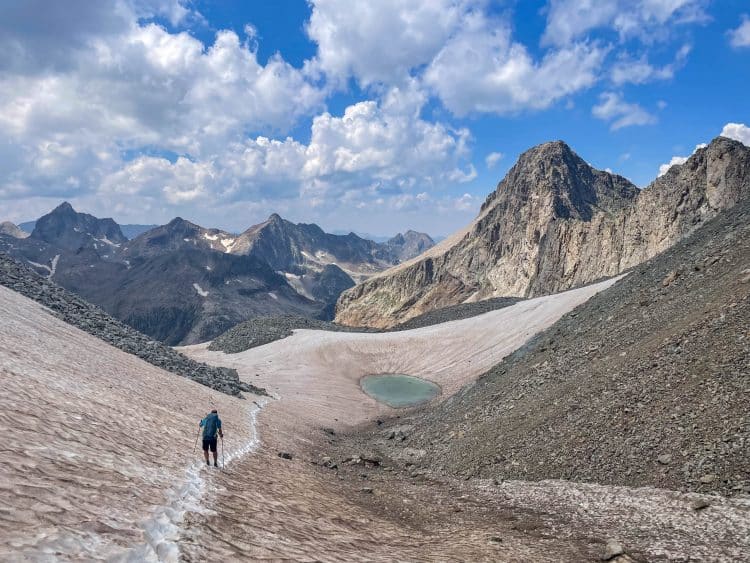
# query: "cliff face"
x,y
554,223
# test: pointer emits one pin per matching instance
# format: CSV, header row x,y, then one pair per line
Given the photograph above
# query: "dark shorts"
x,y
209,443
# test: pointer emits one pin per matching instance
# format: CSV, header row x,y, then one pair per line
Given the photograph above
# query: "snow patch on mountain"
x,y
202,292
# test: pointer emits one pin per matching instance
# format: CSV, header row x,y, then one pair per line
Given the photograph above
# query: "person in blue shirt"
x,y
211,426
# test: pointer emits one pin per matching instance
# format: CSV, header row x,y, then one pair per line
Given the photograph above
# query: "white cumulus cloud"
x,y
612,107
740,37
481,69
568,20
380,41
493,158
640,71
737,131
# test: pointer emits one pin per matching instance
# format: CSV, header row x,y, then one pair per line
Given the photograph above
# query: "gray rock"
x,y
699,504
612,550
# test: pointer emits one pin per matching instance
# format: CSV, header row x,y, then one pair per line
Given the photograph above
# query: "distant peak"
x,y
64,206
180,223
275,218
550,147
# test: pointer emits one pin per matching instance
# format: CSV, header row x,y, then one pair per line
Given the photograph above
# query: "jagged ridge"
x,y
552,224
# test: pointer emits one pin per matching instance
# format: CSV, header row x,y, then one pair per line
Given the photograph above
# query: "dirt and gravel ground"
x,y
338,499
646,384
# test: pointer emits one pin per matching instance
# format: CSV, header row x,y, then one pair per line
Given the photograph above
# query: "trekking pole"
x,y
196,441
222,452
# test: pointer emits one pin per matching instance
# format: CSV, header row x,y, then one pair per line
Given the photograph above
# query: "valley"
x,y
607,421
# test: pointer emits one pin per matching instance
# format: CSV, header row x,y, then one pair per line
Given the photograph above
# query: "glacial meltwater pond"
x,y
396,390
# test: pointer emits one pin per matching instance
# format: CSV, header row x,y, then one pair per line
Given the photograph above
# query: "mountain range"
x,y
181,283
554,223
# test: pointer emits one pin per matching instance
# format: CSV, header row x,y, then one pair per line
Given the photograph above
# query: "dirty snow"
x,y
102,444
297,283
52,268
227,243
210,237
200,290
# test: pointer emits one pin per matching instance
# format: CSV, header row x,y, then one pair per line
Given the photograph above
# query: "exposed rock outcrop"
x,y
12,230
554,223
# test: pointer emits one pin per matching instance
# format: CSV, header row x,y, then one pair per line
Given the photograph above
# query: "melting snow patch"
x,y
107,241
200,290
186,239
228,243
209,268
51,269
272,294
210,237
163,530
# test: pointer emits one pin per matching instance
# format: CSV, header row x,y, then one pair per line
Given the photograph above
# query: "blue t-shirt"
x,y
211,425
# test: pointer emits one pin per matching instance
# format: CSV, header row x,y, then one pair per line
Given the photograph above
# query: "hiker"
x,y
211,426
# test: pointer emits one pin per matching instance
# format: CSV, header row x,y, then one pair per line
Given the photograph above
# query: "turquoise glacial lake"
x,y
398,391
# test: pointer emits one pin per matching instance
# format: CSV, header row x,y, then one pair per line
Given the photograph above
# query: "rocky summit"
x,y
66,228
554,223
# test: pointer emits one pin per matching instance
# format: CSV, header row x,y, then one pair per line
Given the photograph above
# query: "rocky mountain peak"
x,y
552,178
11,229
180,225
66,228
553,223
406,246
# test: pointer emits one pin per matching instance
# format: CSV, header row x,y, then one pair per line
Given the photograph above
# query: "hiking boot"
x,y
208,463
216,464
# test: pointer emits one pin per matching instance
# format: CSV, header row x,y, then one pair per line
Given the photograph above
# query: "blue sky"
x,y
370,116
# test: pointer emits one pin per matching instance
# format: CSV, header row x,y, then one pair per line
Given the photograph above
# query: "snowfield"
x,y
98,461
